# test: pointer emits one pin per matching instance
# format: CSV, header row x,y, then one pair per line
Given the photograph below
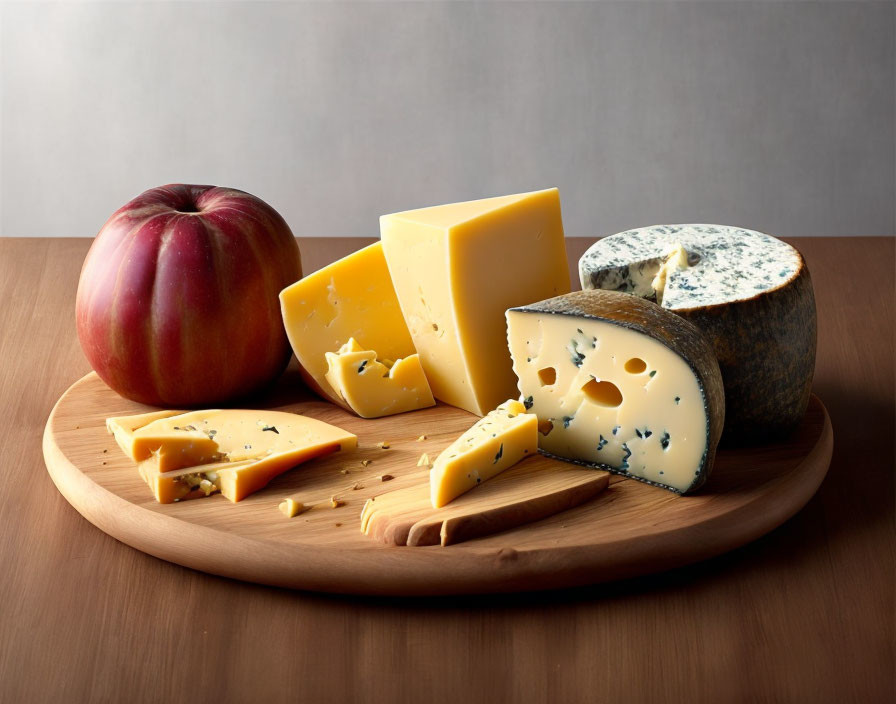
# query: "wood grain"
x,y
529,491
803,614
636,529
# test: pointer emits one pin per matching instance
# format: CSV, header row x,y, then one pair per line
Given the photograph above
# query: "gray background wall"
x,y
773,115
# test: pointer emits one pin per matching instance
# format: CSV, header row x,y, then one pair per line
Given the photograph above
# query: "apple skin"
x,y
178,298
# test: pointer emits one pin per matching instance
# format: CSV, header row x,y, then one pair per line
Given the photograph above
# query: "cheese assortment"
x,y
241,452
502,438
352,298
682,332
456,269
619,383
749,293
373,388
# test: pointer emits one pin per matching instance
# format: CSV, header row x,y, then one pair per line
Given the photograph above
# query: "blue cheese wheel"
x,y
750,294
620,384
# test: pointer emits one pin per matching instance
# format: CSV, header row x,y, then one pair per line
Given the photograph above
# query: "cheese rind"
x,y
245,450
502,438
621,384
350,298
372,388
749,293
456,269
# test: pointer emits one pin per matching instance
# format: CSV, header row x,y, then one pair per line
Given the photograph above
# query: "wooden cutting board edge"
x,y
403,571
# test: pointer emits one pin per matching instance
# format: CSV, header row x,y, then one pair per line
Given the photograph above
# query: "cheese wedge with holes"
x,y
619,383
456,269
350,298
751,296
374,388
241,452
499,440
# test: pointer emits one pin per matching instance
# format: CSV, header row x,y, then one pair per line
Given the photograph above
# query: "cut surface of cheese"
x,y
617,382
350,298
750,294
247,449
497,441
456,269
374,388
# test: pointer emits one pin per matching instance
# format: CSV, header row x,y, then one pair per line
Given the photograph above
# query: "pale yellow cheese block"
x,y
499,440
350,298
245,449
456,269
372,388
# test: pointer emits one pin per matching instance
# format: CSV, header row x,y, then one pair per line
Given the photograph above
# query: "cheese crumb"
x,y
383,445
291,508
364,463
424,461
421,438
336,503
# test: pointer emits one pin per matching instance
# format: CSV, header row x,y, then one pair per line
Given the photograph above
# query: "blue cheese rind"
x,y
642,396
750,294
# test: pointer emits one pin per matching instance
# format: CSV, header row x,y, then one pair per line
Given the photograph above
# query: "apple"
x,y
178,298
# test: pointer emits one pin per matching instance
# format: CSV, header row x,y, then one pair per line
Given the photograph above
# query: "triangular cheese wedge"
x,y
498,441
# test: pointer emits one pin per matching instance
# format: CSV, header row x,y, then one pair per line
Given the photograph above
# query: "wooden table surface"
x,y
804,614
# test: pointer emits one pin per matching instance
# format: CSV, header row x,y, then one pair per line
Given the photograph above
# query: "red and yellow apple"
x,y
178,299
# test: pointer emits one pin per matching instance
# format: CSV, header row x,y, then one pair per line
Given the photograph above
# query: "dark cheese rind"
x,y
750,294
673,332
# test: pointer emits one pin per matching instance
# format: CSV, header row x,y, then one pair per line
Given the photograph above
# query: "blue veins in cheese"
x,y
619,383
684,266
748,292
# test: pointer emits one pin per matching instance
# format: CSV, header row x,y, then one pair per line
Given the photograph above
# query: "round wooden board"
x,y
628,530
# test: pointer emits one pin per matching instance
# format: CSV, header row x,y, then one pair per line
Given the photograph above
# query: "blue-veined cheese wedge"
x,y
620,384
750,294
497,441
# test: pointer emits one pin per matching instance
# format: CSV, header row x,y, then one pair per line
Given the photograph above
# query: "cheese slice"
x,y
619,383
350,298
748,292
498,441
456,269
244,449
373,388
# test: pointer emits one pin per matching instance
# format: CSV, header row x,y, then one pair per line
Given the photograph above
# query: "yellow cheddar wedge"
x,y
372,388
499,440
456,269
247,449
350,298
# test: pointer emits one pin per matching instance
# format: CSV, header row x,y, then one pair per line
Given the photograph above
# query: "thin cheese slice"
x,y
350,298
498,441
374,388
456,269
244,449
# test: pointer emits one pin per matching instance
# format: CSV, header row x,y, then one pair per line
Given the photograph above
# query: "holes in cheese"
x,y
497,441
661,427
547,376
374,388
603,393
242,452
635,365
352,297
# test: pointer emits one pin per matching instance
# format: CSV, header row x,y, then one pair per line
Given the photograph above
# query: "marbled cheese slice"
x,y
236,452
374,388
497,441
749,293
619,383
